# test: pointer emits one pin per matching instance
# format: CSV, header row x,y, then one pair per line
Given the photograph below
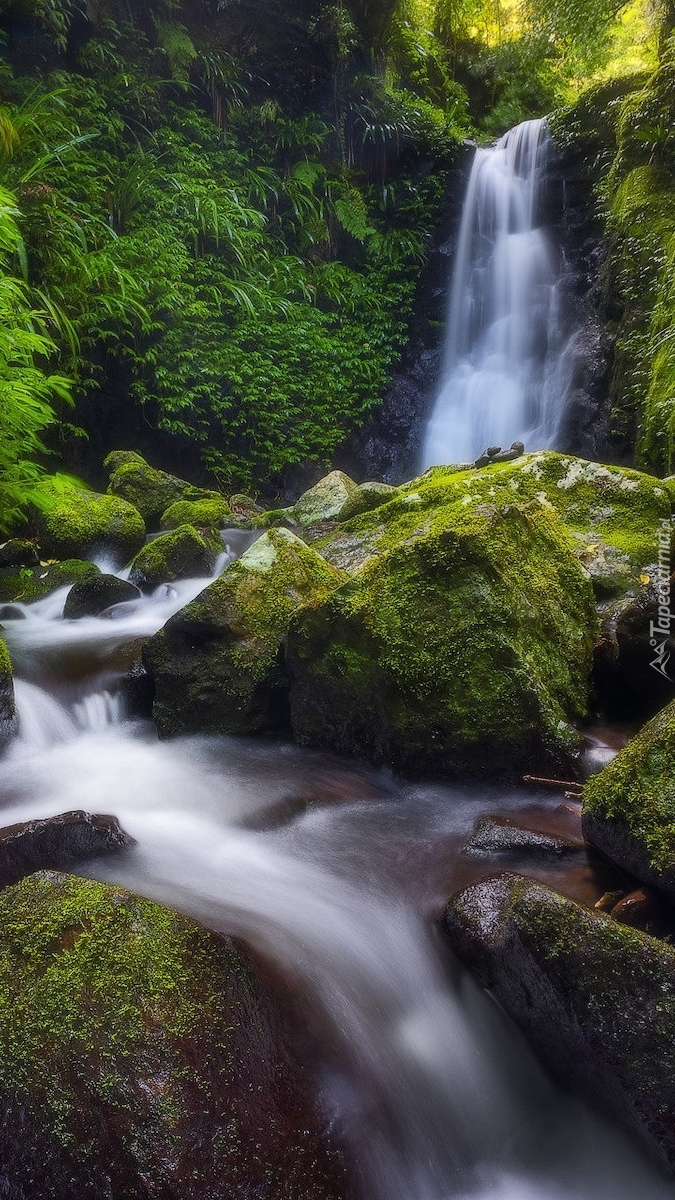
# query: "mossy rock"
x,y
149,490
463,643
616,506
217,665
76,523
596,999
8,714
182,554
334,498
143,1056
629,808
28,584
214,513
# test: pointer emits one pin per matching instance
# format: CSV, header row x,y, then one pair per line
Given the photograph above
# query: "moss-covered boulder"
x,y
150,491
73,522
624,679
218,664
28,584
182,554
214,513
595,998
18,552
462,644
8,715
629,808
334,498
143,1056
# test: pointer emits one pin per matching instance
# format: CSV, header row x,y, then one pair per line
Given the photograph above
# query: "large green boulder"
x,y
150,491
218,663
462,643
596,999
334,498
143,1057
73,522
214,513
182,554
629,808
28,584
613,514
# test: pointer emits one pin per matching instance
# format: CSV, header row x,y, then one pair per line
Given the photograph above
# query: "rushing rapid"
x,y
503,370
434,1092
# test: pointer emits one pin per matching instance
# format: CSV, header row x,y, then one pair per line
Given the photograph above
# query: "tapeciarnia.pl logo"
x,y
659,631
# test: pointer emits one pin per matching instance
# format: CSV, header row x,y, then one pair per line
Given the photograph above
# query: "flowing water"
x,y
333,873
503,374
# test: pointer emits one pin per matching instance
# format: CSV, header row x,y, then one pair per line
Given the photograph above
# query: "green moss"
x,y
28,584
184,553
463,642
74,522
151,491
214,513
137,1050
616,505
637,790
217,664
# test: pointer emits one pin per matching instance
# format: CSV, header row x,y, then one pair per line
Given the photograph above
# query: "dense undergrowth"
x,y
213,215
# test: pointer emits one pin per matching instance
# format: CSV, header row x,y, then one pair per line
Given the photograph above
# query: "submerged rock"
x,y
217,664
77,523
629,808
462,643
145,1058
56,842
93,596
182,554
149,490
497,835
596,999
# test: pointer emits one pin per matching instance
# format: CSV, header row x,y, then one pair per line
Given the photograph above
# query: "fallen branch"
x,y
554,783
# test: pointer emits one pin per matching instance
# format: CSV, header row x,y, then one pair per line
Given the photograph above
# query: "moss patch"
x,y
140,1052
151,491
462,643
635,793
218,664
28,584
214,513
75,523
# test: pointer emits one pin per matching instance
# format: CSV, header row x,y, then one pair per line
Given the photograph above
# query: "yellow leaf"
x,y
645,579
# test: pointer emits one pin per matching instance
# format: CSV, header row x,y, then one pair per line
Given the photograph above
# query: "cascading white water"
x,y
505,333
434,1092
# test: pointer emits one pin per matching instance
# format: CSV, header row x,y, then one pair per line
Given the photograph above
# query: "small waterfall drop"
x,y
505,332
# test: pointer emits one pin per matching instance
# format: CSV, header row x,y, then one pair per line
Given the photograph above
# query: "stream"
x,y
334,873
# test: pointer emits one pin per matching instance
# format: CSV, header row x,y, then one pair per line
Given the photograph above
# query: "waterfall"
x,y
505,332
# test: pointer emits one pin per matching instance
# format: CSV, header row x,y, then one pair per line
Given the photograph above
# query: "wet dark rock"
x,y
146,1058
138,688
496,835
12,612
56,842
93,596
626,683
18,552
596,999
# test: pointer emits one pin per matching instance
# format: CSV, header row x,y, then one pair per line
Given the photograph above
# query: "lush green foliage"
x,y
27,390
